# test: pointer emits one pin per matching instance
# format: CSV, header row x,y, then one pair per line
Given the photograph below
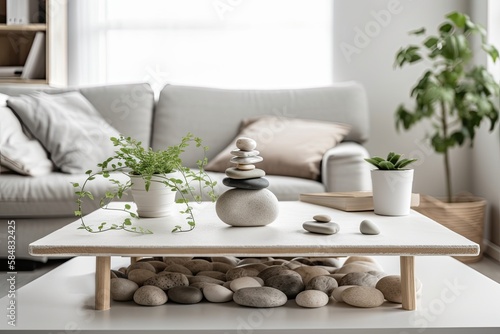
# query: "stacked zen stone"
x,y
257,282
249,203
245,175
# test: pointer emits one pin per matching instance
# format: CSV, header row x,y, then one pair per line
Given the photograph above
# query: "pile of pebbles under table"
x,y
256,282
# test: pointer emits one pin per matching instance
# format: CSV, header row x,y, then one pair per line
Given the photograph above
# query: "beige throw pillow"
x,y
289,146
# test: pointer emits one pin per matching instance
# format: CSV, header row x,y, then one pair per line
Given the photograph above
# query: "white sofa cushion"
x,y
52,195
215,114
68,126
19,153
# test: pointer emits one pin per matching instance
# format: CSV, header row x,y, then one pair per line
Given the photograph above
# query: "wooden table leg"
x,y
407,267
102,283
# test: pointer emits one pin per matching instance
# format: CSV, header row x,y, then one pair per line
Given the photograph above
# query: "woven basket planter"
x,y
464,216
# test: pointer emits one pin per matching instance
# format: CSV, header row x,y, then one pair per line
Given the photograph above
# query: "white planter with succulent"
x,y
156,177
392,185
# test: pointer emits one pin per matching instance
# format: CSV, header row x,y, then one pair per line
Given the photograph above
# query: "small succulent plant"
x,y
394,161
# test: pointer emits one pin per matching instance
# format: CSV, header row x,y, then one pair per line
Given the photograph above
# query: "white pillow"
x,y
69,128
17,152
3,100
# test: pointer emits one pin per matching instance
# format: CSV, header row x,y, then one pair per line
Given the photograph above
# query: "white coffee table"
x,y
406,237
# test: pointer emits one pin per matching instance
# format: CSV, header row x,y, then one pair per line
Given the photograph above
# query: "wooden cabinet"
x,y
16,42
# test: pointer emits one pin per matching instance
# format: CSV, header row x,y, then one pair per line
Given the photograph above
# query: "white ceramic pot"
x,y
158,201
392,191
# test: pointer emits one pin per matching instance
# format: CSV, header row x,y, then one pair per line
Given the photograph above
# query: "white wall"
x,y
486,153
367,35
372,65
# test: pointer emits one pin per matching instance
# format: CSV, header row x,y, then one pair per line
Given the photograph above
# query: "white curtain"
x,y
217,43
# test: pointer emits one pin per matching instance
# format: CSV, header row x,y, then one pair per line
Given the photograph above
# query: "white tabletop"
x,y
409,235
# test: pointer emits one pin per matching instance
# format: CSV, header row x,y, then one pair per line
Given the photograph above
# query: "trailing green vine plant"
x,y
132,158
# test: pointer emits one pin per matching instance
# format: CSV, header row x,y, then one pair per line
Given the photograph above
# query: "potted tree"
x,y
392,185
455,96
155,178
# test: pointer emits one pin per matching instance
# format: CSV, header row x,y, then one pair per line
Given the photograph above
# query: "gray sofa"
x,y
43,204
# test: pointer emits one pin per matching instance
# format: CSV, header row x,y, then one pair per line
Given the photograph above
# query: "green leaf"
x,y
88,172
405,162
395,158
75,185
492,51
431,42
128,206
458,19
389,156
417,32
127,222
458,137
445,28
386,165
439,144
78,213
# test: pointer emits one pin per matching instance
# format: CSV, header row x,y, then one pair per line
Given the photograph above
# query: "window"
x,y
216,43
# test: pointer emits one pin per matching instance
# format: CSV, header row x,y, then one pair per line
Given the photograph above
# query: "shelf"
x,y
22,81
16,43
23,27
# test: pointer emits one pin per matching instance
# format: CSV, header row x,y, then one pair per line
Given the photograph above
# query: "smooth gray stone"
x,y
363,296
185,294
207,279
240,153
321,228
218,294
246,160
122,289
245,167
118,273
149,295
322,218
249,184
260,297
322,283
273,271
167,280
312,299
369,227
213,274
246,144
363,279
236,207
197,265
235,173
289,282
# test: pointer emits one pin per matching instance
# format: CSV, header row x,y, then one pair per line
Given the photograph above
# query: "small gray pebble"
x,y
321,228
368,227
322,218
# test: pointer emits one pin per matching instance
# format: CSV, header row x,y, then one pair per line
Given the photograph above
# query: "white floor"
x,y
454,300
488,267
